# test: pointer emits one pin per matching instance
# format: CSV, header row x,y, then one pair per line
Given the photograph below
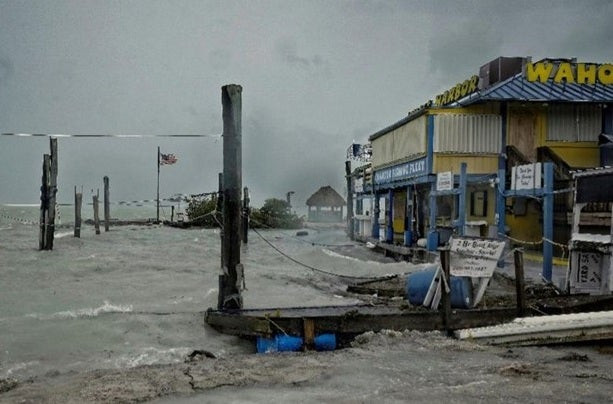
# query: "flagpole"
x,y
158,197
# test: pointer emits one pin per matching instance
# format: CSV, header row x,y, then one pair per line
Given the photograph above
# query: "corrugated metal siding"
x,y
467,133
382,150
401,143
410,139
574,123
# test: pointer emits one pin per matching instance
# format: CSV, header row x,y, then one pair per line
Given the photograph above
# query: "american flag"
x,y
167,159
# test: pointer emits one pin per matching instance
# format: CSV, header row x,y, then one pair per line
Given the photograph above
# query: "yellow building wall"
x,y
400,202
475,164
526,227
580,154
576,154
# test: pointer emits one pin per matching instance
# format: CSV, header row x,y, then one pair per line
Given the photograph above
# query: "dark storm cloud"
x,y
6,69
279,159
316,75
460,50
287,50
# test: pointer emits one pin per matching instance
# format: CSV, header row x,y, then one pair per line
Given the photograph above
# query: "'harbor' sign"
x,y
458,91
401,171
476,258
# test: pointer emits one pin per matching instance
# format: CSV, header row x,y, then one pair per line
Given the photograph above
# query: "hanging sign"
x,y
476,258
444,181
460,90
527,176
358,185
586,271
401,171
567,72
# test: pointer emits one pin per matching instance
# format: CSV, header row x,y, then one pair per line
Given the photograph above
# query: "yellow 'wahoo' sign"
x,y
580,73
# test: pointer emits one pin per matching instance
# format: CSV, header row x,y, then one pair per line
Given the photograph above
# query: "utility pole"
x,y
107,206
349,199
157,216
231,278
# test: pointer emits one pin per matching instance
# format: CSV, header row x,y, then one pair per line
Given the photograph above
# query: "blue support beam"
x,y
375,217
389,233
408,219
548,221
461,221
432,240
500,203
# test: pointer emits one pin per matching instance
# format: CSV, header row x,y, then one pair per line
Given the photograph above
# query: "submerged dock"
x,y
347,321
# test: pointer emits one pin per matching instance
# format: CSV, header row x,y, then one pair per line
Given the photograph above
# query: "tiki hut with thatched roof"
x,y
325,205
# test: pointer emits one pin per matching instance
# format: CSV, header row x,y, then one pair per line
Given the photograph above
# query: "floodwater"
x,y
111,317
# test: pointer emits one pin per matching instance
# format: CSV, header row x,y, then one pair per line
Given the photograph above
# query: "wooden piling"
x,y
518,256
218,209
350,232
308,327
172,213
445,295
245,218
107,207
231,279
44,202
96,214
53,164
78,198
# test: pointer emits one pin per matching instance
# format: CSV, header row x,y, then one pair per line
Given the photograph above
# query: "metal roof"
x,y
517,88
416,113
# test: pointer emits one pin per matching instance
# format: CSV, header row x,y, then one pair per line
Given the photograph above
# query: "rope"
x,y
267,317
543,239
63,135
18,219
203,216
318,269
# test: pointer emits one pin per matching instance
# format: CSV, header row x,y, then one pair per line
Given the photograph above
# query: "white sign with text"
x,y
527,176
444,181
476,258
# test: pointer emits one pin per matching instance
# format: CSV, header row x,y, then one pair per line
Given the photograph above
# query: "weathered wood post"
x,y
96,214
44,202
350,229
445,294
218,210
245,219
78,198
231,278
107,207
172,213
52,193
519,282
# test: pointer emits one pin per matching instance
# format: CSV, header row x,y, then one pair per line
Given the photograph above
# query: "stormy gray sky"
x,y
315,75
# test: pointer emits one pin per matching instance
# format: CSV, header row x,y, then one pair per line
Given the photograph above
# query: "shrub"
x,y
276,214
198,211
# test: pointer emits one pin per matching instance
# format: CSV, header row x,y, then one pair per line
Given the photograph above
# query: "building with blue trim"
x,y
512,112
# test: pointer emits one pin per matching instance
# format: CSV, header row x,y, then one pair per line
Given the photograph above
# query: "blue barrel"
x,y
287,343
418,283
461,292
266,345
417,286
325,342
